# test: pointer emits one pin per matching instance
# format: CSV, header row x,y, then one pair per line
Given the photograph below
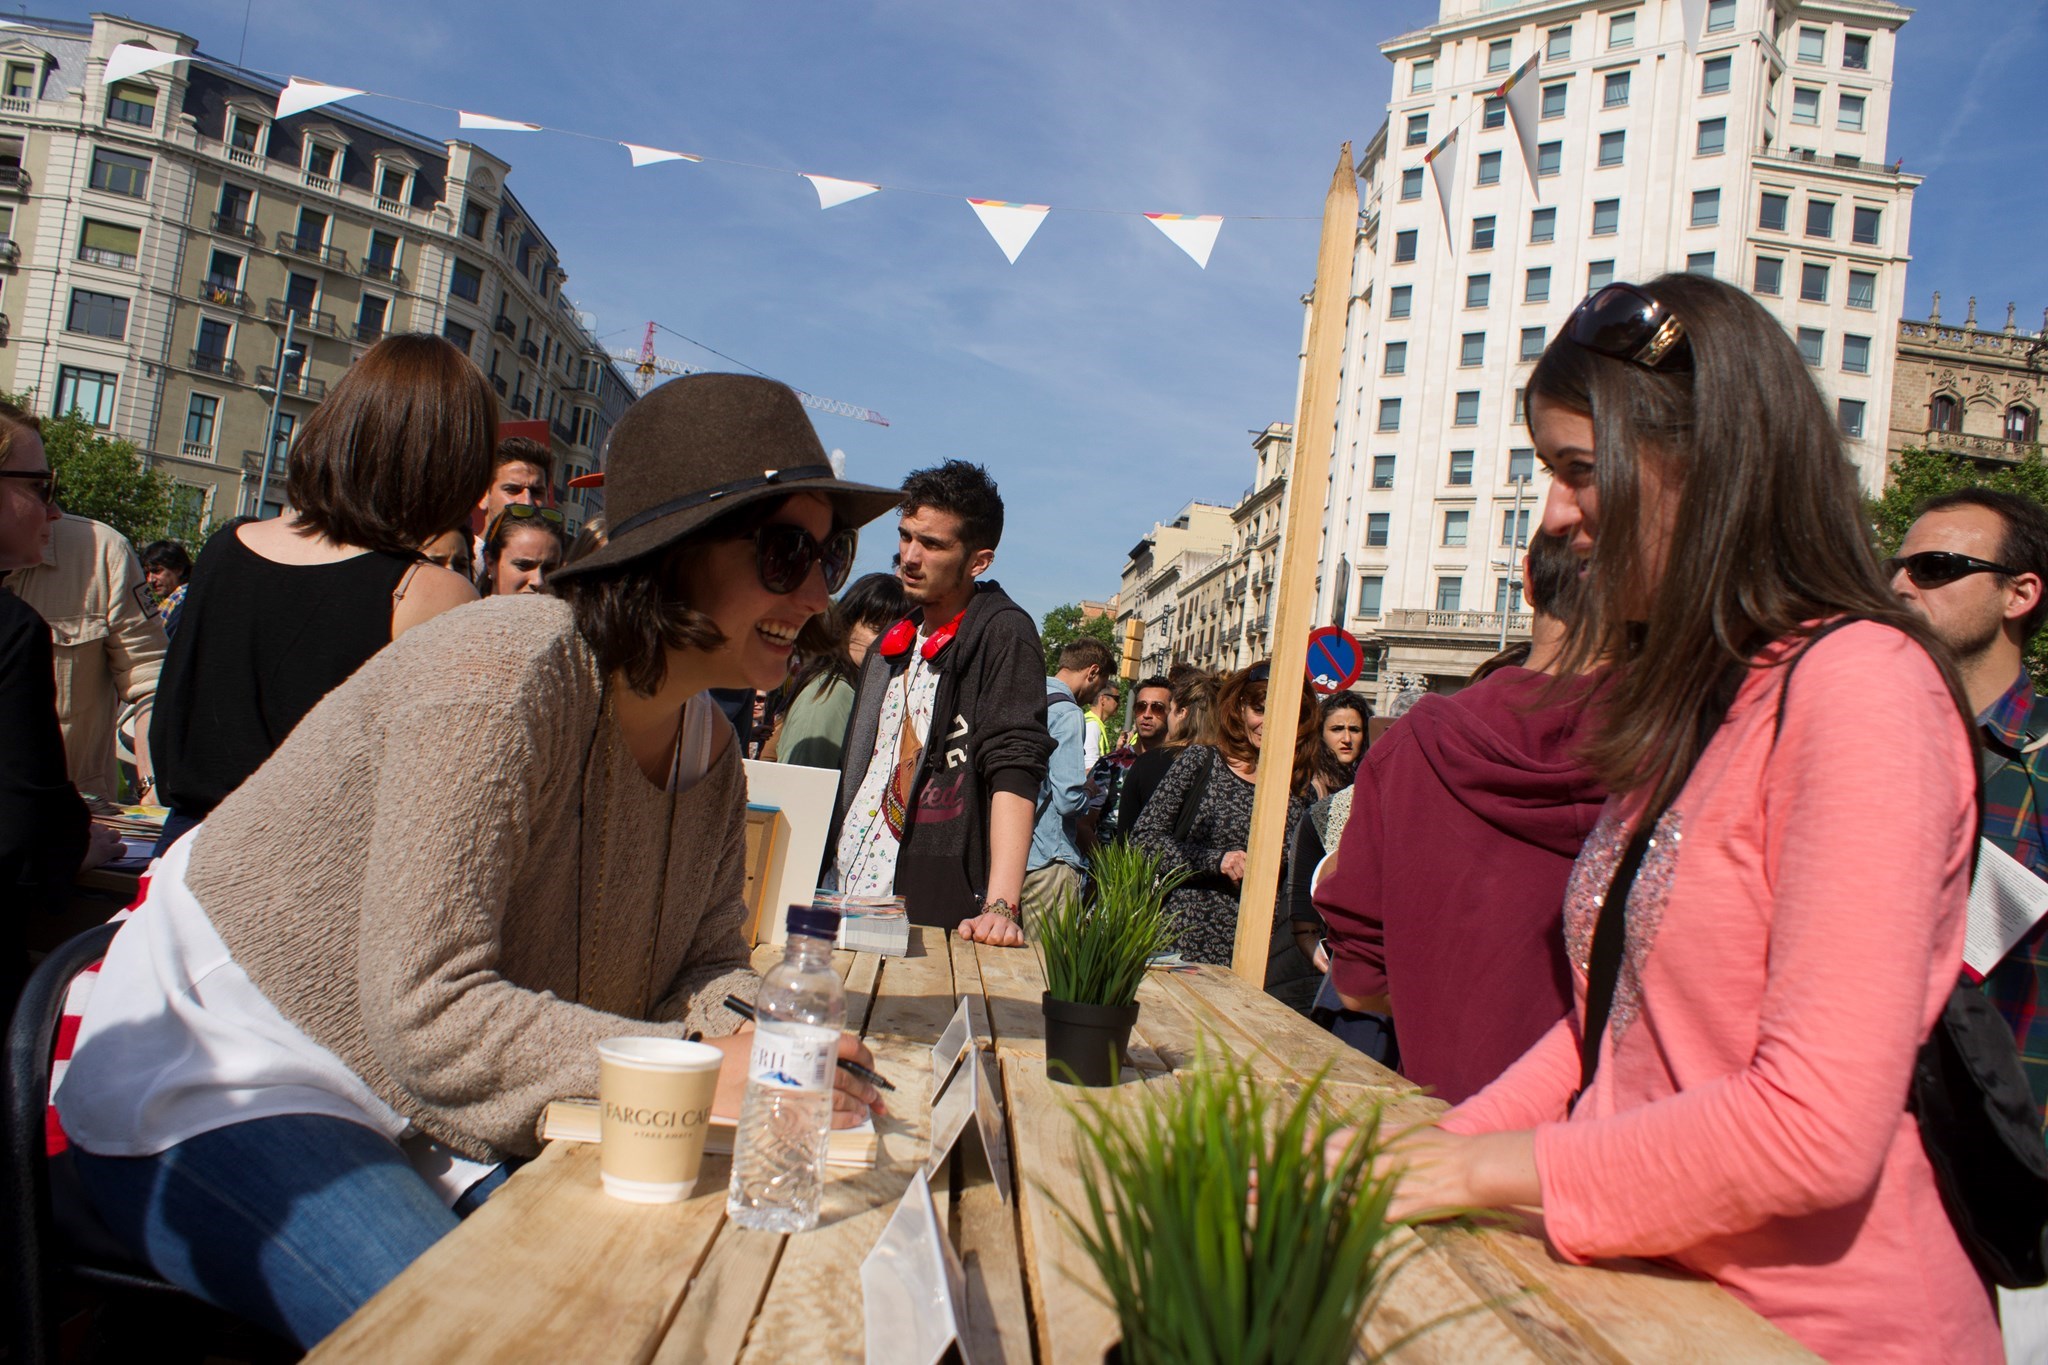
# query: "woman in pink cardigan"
x,y
1796,923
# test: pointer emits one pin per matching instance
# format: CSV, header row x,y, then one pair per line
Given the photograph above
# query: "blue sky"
x,y
1103,379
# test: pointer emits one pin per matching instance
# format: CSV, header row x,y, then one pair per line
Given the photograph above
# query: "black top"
x,y
258,645
42,820
1146,770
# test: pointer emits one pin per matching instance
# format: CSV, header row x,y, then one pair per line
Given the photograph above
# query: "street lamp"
x,y
284,364
1515,540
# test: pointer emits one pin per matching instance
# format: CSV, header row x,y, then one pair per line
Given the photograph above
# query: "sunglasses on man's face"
x,y
1937,568
784,554
44,485
1622,322
1151,708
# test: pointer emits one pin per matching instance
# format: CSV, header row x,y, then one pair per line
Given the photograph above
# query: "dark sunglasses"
x,y
1147,707
784,554
1934,568
48,478
1624,323
520,511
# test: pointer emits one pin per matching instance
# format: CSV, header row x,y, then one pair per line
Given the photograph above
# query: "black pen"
x,y
851,1068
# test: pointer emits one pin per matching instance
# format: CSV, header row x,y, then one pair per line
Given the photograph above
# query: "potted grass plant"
x,y
1094,952
1224,1234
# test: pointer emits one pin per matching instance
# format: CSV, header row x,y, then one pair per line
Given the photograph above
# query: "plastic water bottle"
x,y
778,1166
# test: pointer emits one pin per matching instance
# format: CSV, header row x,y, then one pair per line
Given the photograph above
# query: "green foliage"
x,y
1064,625
1222,1232
1094,952
102,478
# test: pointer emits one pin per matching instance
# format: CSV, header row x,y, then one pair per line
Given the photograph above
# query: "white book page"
x,y
2006,900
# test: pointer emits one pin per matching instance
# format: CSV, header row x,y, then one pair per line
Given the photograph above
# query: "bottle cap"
x,y
813,921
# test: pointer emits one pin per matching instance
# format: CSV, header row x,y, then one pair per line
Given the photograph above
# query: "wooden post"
x,y
1294,594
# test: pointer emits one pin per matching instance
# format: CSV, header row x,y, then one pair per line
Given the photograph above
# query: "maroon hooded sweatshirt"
x,y
1448,891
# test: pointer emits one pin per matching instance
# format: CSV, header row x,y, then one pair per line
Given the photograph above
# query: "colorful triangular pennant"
x,y
300,94
647,156
465,119
1524,100
832,192
1192,233
1010,224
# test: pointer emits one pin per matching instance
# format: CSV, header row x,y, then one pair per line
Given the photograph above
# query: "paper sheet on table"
x,y
2006,900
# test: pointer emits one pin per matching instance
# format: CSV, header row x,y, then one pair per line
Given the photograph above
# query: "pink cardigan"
x,y
1792,938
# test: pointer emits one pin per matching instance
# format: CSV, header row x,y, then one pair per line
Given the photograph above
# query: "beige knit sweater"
x,y
453,875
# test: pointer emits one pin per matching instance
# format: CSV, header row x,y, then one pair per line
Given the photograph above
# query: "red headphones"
x,y
898,638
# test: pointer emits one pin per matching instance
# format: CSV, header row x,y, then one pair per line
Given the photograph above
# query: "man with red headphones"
x,y
947,745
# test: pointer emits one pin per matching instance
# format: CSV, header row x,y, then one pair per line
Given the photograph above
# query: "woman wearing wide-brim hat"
x,y
517,831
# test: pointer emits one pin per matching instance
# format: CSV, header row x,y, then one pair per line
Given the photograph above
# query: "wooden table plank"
x,y
718,1311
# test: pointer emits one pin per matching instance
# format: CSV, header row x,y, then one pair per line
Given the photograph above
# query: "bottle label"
x,y
793,1058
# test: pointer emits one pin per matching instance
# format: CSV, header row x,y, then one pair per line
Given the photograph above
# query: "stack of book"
x,y
139,826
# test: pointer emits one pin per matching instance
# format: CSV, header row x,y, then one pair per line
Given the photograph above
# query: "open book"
x,y
577,1121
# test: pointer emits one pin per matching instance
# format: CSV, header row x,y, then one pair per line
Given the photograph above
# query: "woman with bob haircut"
x,y
279,612
518,831
1786,941
1217,780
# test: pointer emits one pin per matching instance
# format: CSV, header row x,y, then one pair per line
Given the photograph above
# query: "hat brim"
x,y
854,504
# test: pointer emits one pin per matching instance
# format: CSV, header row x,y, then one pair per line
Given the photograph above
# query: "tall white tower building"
x,y
1752,149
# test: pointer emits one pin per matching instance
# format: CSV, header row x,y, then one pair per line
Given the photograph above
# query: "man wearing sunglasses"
x,y
1974,563
519,480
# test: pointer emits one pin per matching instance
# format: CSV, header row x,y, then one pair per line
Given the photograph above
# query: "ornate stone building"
x,y
1966,389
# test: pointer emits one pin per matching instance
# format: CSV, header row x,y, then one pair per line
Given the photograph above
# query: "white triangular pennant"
x,y
648,156
1193,234
1524,96
833,192
300,94
1443,168
503,125
1010,224
132,59
1693,14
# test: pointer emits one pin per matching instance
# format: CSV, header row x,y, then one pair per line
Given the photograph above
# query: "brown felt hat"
x,y
699,446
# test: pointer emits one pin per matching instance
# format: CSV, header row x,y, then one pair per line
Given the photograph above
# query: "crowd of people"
x,y
1665,927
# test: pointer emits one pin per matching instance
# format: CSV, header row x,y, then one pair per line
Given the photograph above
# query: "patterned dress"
x,y
1204,909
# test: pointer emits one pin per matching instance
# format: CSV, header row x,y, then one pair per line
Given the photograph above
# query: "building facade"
x,y
1969,390
1148,597
1755,153
166,233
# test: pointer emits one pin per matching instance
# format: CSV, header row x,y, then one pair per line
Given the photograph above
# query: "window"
x,y
134,104
1521,407
1397,358
1400,300
109,244
463,337
322,160
1489,168
1482,233
1805,104
1450,593
2020,424
383,250
1404,244
1771,212
1507,594
1457,525
1390,414
1543,225
1770,276
1557,46
1614,90
1606,217
199,415
1521,464
1514,527
1849,416
1706,208
1422,76
1500,55
1855,353
1460,475
1370,588
1382,471
1599,274
474,215
90,392
1478,291
1713,137
1699,263
1944,413
1856,51
467,281
300,293
1536,285
1813,45
1532,342
1472,350
97,315
243,132
224,270
1612,148
1494,113
1849,113
312,233
1418,129
370,317
120,173
1715,74
1720,15
1553,101
1813,282
1411,183
1863,290
1376,524
1549,158
1466,412
1812,345
236,204
391,185
21,81
215,341
1864,225
1621,31
1820,218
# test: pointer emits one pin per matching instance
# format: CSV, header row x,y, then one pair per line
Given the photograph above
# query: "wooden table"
x,y
551,1269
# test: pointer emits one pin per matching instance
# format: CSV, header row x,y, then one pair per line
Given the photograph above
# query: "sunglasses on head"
x,y
784,554
1622,322
1934,568
47,493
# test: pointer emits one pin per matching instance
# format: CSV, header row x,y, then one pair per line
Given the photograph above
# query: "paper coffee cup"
x,y
654,1101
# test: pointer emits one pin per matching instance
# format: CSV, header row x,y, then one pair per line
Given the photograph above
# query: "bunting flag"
x,y
502,125
1010,224
132,59
1443,168
1524,100
832,192
1192,233
1693,14
647,156
300,94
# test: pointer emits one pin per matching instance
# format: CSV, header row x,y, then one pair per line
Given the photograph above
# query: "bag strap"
x,y
1191,802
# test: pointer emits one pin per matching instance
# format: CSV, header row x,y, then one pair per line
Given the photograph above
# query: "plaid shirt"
x,y
2015,821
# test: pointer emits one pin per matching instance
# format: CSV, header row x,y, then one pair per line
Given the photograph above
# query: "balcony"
x,y
1979,447
221,295
17,104
196,450
523,405
529,350
252,463
245,156
298,385
324,183
498,383
503,327
563,433
1478,624
230,226
383,271
208,362
369,333
312,248
277,310
10,251
13,178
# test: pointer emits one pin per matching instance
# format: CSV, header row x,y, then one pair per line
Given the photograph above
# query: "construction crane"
x,y
647,365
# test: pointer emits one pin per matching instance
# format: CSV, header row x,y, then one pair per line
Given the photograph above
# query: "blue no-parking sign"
x,y
1335,659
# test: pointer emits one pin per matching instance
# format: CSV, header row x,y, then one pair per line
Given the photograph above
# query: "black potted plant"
x,y
1094,953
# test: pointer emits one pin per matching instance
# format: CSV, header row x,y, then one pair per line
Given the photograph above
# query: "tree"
x,y
102,478
1064,625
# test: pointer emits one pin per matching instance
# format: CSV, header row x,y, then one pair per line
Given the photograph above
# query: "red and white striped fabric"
x,y
55,1140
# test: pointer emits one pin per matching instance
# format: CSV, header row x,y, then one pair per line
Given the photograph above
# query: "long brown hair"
x,y
1247,688
1768,535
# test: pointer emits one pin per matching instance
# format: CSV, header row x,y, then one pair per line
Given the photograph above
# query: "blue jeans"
x,y
290,1222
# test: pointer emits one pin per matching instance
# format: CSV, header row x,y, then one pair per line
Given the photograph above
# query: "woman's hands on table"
x,y
102,845
1442,1173
853,1099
